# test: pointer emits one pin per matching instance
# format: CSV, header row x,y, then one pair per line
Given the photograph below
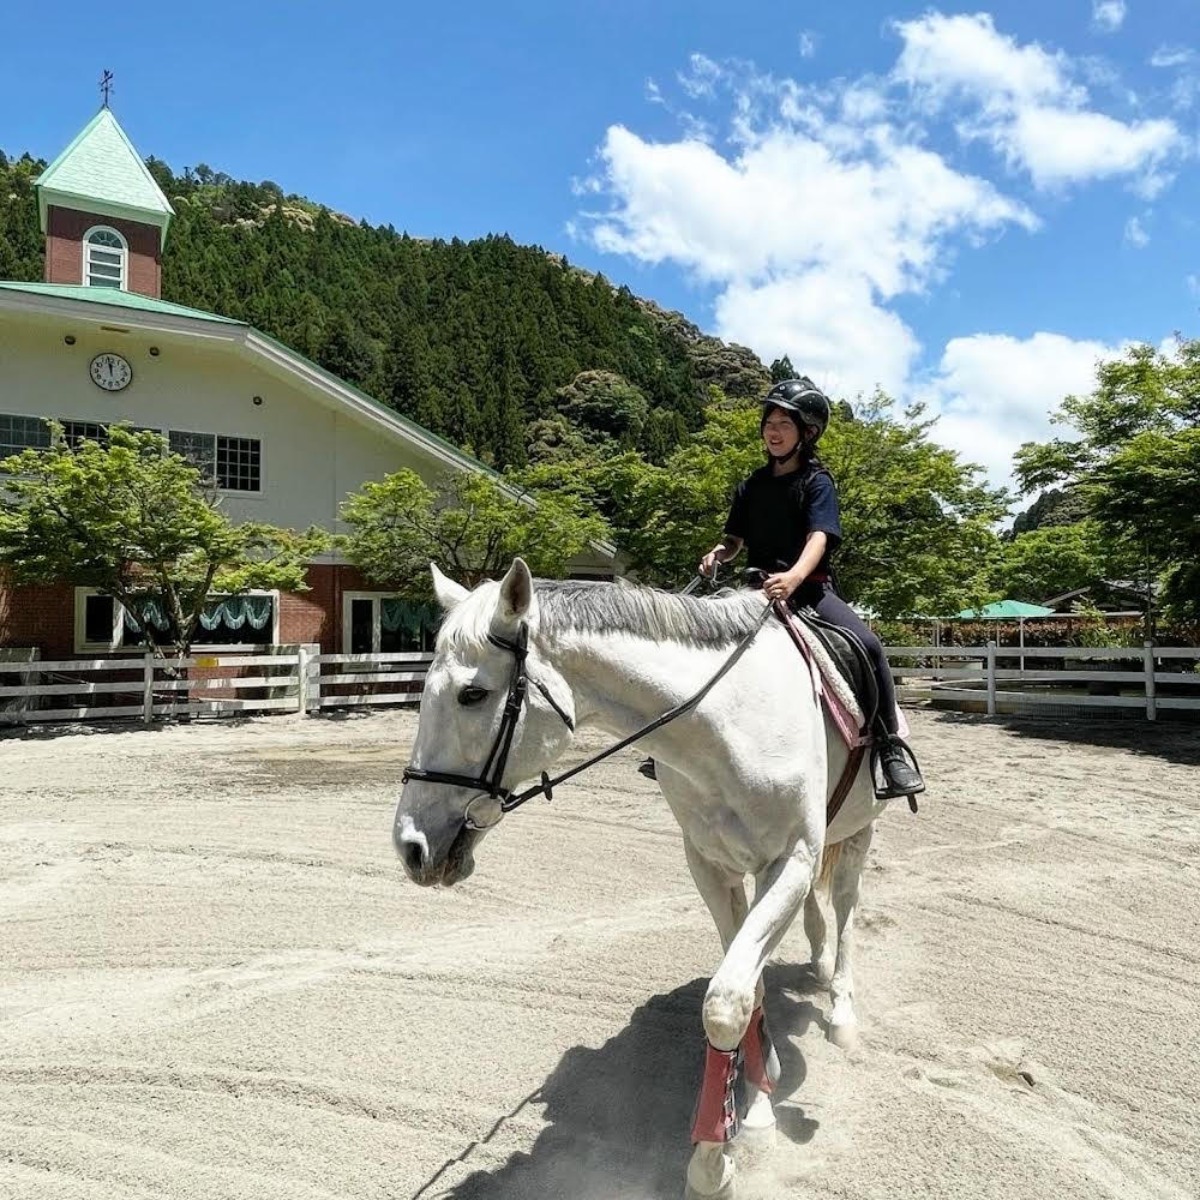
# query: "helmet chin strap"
x,y
779,459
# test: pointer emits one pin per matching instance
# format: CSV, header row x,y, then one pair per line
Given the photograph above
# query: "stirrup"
x,y
647,769
885,789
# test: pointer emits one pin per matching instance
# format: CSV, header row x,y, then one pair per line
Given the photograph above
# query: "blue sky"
x,y
969,206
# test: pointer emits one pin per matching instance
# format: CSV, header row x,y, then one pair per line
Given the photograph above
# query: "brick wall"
x,y
39,616
44,616
65,229
316,615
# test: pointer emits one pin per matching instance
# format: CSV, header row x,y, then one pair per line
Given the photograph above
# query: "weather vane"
x,y
106,87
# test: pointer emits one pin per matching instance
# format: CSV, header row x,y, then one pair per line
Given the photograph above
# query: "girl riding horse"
x,y
787,512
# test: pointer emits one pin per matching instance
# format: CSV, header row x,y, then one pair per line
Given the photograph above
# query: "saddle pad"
x,y
831,675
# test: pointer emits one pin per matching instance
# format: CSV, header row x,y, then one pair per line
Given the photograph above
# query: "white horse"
x,y
747,774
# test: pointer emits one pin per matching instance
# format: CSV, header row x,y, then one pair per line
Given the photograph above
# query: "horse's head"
x,y
468,754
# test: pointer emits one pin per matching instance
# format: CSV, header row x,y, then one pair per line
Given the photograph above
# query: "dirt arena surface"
x,y
215,982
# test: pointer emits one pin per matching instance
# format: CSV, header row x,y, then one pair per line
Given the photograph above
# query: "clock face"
x,y
110,372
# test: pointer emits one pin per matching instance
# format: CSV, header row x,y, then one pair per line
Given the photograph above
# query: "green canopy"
x,y
1005,610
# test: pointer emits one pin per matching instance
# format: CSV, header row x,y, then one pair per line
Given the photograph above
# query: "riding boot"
x,y
898,765
647,769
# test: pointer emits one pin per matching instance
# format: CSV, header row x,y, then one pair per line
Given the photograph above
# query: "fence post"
x,y
147,688
991,679
1151,689
302,680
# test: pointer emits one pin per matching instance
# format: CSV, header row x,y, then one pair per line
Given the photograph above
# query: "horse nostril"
x,y
411,845
413,858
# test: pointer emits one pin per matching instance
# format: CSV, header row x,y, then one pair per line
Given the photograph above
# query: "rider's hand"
x,y
781,585
709,564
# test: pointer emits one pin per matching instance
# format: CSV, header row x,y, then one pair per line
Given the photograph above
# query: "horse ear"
x,y
449,594
516,592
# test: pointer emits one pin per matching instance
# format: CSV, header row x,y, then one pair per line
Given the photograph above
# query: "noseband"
x,y
488,780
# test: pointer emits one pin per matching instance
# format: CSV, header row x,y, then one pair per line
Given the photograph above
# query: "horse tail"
x,y
829,862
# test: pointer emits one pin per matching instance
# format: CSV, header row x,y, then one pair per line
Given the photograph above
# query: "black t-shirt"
x,y
774,514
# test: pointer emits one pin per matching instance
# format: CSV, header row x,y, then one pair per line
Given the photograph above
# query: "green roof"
x,y
1005,609
116,298
102,165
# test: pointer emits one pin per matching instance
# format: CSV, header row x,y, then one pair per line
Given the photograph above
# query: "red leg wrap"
x,y
715,1118
761,1063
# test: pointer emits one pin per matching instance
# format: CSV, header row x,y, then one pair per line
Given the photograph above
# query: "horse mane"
x,y
585,606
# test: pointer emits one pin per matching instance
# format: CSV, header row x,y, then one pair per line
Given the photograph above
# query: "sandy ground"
x,y
215,983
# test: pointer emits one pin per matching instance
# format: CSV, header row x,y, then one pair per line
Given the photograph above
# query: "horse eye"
x,y
472,695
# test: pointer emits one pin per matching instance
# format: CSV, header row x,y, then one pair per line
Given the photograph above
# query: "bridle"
x,y
488,780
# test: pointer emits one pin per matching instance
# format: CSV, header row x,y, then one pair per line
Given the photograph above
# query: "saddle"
x,y
848,690
851,661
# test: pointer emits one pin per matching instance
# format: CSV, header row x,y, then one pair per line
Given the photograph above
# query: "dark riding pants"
x,y
832,608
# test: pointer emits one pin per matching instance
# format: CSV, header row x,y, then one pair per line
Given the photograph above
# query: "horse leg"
x,y
847,876
734,993
710,1173
815,925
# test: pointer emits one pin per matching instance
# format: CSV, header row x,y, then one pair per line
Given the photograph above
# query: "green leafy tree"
x,y
1050,560
605,404
138,523
919,523
782,369
470,525
1135,461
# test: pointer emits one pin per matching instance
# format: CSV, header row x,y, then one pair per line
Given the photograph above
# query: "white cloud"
x,y
1024,102
944,56
1108,15
808,43
993,392
1135,233
1193,284
700,80
822,319
1172,56
1059,146
819,206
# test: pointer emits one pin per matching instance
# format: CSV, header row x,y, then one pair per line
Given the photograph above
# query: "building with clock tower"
x,y
94,343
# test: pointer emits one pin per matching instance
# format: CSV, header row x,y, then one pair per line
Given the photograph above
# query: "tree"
x,y
1050,560
918,521
782,369
606,404
138,523
1135,461
469,524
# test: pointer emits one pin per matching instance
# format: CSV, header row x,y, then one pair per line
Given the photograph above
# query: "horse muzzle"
x,y
444,860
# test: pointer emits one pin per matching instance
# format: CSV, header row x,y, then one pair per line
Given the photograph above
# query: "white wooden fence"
x,y
975,677
302,681
145,687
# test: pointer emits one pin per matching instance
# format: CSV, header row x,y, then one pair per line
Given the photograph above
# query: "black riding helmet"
x,y
801,398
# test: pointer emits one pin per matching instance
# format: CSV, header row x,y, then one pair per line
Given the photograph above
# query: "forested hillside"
x,y
505,350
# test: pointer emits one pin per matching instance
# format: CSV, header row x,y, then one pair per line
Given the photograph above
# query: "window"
x,y
198,448
104,258
22,433
235,623
379,623
75,433
231,463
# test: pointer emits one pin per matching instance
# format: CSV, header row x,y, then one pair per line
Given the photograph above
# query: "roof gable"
x,y
102,168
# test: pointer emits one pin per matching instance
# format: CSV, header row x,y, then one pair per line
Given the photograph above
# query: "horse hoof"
x,y
725,1187
753,1143
845,1037
727,1192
